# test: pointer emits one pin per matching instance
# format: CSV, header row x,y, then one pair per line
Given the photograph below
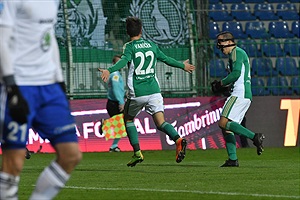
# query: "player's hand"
x,y
121,108
216,87
105,74
188,67
17,105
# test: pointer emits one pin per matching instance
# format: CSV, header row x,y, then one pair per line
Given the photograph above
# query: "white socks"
x,y
8,186
50,182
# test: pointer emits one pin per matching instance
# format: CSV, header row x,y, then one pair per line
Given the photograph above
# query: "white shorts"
x,y
235,108
152,103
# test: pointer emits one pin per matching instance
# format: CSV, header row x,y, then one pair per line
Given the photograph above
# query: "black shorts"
x,y
112,108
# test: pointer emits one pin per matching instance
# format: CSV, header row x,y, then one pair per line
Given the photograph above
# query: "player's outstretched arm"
x,y
188,67
105,74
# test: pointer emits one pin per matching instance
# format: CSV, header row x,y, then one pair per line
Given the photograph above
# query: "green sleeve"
x,y
168,60
126,57
120,64
236,69
232,77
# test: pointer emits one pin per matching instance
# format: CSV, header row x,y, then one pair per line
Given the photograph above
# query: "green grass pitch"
x,y
273,175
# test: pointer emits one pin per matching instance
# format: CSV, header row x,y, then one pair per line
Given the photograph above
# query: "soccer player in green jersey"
x,y
240,99
144,91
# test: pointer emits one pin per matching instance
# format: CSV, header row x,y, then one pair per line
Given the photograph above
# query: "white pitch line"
x,y
184,191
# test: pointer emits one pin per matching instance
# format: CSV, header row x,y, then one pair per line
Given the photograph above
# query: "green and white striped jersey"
x,y
239,76
141,56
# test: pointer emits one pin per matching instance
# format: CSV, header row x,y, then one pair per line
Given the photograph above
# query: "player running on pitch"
x,y
240,99
144,91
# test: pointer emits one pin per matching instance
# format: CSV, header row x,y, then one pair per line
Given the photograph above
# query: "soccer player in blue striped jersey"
x,y
32,96
144,90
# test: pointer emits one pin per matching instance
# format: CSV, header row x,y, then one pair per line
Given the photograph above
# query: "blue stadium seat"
x,y
295,1
292,47
219,12
235,28
287,66
213,30
280,29
265,11
232,1
295,85
250,46
214,1
271,48
254,1
279,86
217,68
277,1
263,67
256,30
242,12
258,87
295,28
287,11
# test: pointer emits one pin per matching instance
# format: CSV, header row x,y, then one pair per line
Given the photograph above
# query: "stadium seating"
x,y
232,1
263,67
295,1
280,29
254,1
287,11
271,48
250,46
219,12
295,28
279,86
292,47
258,87
242,12
256,30
213,1
295,85
213,30
235,28
277,1
265,11
287,66
217,68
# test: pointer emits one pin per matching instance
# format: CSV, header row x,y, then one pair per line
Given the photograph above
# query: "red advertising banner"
x,y
194,118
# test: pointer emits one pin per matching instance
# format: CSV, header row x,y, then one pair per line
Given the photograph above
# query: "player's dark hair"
x,y
115,58
226,36
133,26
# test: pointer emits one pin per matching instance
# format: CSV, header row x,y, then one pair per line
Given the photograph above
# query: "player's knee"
x,y
13,165
75,158
68,161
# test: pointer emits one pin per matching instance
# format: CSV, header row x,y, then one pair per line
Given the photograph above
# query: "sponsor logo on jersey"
x,y
116,78
46,41
46,21
164,22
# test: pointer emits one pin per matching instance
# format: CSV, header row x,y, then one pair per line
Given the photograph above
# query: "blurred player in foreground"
x,y
144,91
32,94
239,100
